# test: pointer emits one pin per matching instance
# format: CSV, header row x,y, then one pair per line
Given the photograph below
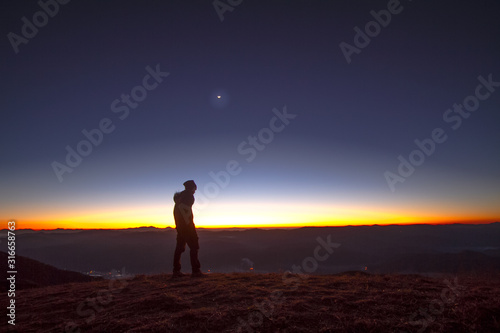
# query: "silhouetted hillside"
x,y
32,274
354,302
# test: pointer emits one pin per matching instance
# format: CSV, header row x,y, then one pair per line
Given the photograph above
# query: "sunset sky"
x,y
263,109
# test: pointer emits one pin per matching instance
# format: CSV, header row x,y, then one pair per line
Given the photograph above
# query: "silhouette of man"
x,y
186,231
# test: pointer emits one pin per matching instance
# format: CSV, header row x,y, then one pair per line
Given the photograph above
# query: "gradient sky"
x,y
324,167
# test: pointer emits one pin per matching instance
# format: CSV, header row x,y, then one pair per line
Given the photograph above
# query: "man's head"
x,y
190,185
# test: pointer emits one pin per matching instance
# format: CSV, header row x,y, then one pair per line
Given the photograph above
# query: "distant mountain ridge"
x,y
455,263
147,250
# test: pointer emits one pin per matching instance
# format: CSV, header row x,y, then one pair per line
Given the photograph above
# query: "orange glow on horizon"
x,y
37,225
246,215
243,223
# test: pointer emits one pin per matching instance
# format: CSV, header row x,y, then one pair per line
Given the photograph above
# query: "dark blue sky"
x,y
353,119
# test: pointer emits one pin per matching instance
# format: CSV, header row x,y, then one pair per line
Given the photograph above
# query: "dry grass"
x,y
265,303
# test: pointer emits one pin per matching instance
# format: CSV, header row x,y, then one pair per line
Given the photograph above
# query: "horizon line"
x,y
274,227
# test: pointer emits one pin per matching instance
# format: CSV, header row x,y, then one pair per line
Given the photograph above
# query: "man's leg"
x,y
193,252
179,248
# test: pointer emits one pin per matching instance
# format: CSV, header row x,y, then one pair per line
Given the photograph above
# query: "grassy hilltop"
x,y
349,302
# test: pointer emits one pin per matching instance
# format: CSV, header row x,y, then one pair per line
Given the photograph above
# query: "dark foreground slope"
x,y
354,302
36,274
